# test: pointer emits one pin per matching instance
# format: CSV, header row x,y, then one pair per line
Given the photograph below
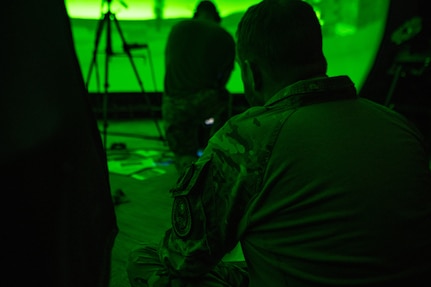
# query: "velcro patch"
x,y
181,216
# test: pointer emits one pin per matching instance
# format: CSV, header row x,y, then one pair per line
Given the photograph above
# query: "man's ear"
x,y
255,74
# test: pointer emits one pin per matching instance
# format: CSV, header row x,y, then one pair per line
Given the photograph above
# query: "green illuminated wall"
x,y
352,32
144,9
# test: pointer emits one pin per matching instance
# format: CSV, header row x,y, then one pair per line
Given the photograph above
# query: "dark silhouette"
x,y
58,217
199,58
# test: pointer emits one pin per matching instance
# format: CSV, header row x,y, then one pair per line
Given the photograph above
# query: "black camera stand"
x,y
106,21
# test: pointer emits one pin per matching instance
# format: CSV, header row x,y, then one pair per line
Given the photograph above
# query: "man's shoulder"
x,y
256,124
244,143
259,116
182,24
193,25
248,116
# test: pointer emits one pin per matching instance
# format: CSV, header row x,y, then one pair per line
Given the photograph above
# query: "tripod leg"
x,y
105,107
394,82
108,55
93,62
135,70
105,101
155,88
152,68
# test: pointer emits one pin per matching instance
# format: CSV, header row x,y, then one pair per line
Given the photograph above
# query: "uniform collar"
x,y
320,89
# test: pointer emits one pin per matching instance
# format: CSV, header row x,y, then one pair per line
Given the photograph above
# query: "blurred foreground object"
x,y
60,225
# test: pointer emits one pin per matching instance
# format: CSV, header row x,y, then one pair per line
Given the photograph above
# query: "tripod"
x,y
107,20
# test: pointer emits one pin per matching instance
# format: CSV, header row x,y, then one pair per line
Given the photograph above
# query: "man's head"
x,y
279,42
206,10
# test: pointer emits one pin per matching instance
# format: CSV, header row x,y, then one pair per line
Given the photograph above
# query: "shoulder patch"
x,y
181,216
184,180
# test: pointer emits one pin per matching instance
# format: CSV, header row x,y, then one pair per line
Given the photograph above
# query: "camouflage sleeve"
x,y
209,202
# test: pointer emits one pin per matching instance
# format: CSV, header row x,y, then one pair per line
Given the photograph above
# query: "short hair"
x,y
207,7
280,34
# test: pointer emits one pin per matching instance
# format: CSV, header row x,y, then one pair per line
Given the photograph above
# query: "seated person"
x,y
319,186
199,58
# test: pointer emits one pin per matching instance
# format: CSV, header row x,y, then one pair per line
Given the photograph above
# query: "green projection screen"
x,y
352,32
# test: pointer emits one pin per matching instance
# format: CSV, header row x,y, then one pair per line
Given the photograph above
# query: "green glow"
x,y
352,35
143,9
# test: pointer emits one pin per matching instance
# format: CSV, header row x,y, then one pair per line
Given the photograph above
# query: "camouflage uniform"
x,y
314,186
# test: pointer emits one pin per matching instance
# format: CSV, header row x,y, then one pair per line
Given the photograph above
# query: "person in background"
x,y
159,6
320,187
199,59
59,222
